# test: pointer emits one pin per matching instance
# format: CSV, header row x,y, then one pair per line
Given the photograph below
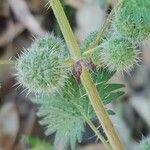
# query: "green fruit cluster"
x,y
132,19
41,68
118,54
130,26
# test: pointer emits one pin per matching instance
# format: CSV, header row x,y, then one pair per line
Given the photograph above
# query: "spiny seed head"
x,y
145,144
132,19
41,68
118,54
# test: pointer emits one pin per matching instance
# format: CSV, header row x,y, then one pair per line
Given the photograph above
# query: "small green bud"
x,y
132,19
41,68
118,54
145,144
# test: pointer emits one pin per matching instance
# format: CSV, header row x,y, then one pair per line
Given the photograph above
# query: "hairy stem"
x,y
86,53
101,33
103,30
66,29
85,77
101,111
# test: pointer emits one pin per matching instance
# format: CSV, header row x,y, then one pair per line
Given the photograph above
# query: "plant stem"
x,y
66,29
100,111
101,33
90,51
103,30
85,77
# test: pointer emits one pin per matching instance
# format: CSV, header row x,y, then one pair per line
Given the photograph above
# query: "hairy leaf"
x,y
64,112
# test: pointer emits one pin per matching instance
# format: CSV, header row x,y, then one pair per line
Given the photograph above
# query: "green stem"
x,y
103,30
85,77
90,51
100,110
66,29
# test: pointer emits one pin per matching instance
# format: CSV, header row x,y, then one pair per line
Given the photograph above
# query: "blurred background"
x,y
20,21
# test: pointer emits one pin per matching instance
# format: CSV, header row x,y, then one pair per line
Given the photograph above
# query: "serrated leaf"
x,y
113,87
107,90
113,96
62,117
103,75
61,112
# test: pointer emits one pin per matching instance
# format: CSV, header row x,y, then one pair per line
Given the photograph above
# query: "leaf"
x,y
62,113
107,91
113,96
103,75
113,87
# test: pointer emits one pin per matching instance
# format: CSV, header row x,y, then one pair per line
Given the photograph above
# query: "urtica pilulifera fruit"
x,y
118,54
41,68
132,19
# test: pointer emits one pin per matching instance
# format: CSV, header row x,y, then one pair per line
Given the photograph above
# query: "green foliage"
x,y
64,112
37,144
132,19
145,144
118,54
130,26
108,92
41,68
